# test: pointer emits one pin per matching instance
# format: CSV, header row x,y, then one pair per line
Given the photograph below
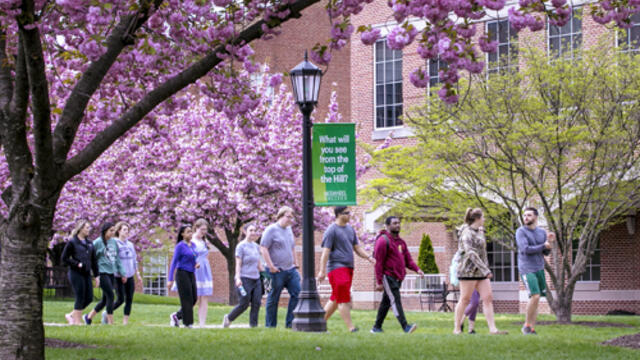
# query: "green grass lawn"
x,y
148,336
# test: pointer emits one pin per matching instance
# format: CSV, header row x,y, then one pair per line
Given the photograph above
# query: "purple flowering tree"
x,y
192,165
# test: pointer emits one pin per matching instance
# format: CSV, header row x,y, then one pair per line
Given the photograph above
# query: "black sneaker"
x,y
87,320
472,332
526,330
533,332
375,330
410,328
355,329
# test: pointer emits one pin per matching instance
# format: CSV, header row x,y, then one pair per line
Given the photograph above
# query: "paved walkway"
x,y
233,326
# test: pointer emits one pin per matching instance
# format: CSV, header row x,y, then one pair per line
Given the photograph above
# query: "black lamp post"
x,y
308,315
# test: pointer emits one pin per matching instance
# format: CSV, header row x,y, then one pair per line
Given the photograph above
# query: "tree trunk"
x,y
563,306
22,264
231,270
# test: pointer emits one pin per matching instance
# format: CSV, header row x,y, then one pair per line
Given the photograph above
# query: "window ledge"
x,y
587,286
505,286
398,132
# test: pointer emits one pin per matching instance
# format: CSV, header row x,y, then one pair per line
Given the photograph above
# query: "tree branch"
x,y
108,136
39,89
13,128
74,109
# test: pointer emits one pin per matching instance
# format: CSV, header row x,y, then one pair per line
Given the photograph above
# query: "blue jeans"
x,y
289,279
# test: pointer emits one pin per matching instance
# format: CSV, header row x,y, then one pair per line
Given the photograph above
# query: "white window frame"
x,y
155,273
499,67
560,36
375,91
513,267
628,49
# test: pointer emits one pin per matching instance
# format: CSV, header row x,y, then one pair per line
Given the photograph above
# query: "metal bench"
x,y
432,289
55,278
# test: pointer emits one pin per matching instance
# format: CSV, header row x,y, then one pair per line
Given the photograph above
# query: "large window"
x,y
502,262
592,271
388,89
565,41
629,39
505,58
154,273
434,71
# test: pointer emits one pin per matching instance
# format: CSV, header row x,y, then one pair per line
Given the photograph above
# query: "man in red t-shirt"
x,y
338,245
392,258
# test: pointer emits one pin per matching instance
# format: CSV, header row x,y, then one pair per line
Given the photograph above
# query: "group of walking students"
x,y
112,259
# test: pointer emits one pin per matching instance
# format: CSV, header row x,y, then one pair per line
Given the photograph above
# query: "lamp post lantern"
x,y
308,314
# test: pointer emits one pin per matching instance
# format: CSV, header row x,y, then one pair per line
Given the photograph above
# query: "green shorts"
x,y
535,283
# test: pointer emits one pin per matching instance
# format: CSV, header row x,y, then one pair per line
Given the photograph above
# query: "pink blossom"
x,y
369,37
419,78
486,45
400,36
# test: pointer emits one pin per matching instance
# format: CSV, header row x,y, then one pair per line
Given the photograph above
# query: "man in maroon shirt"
x,y
392,258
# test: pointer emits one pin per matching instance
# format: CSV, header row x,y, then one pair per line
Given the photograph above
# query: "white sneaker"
x,y
225,321
173,320
104,317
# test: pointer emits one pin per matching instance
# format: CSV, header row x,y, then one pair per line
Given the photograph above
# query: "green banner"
x,y
334,164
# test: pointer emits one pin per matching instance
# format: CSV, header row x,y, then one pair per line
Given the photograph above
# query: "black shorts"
x,y
472,278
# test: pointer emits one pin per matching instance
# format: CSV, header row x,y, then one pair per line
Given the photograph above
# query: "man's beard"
x,y
395,232
530,222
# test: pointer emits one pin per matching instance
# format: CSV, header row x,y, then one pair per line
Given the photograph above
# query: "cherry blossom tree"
x,y
192,165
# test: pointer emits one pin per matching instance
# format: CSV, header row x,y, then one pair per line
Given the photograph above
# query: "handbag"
x,y
453,269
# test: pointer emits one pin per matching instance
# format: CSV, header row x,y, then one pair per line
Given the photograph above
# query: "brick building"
x,y
374,90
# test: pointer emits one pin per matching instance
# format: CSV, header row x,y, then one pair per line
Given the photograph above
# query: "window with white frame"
x,y
154,273
388,85
629,39
565,41
434,71
505,58
503,262
592,270
257,81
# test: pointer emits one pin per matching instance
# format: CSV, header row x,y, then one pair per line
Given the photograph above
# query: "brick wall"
x,y
352,70
286,51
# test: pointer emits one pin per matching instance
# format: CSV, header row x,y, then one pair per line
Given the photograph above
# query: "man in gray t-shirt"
x,y
279,242
533,243
278,250
338,244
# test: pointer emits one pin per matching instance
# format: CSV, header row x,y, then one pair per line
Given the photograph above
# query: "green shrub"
x,y
426,257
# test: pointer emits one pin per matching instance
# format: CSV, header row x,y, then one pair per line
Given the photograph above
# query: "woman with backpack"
x,y
80,256
473,270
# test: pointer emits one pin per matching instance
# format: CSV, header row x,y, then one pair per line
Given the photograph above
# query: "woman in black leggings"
x,y
184,264
106,249
80,256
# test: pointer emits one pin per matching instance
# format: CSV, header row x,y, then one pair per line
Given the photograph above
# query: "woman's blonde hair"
x,y
119,226
472,215
199,223
79,225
